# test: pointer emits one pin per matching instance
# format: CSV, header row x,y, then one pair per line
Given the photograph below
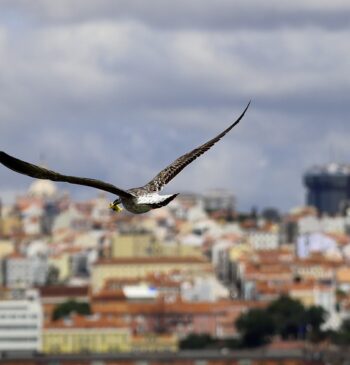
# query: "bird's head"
x,y
115,206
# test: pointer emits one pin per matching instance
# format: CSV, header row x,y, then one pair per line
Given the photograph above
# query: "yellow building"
x,y
140,267
311,293
10,225
181,250
82,335
7,247
155,343
304,295
62,263
136,244
240,250
144,244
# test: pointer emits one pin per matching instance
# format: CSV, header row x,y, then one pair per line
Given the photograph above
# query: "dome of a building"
x,y
42,189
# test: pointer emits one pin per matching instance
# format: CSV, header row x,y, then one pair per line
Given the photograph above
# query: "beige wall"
x,y
7,247
102,272
62,263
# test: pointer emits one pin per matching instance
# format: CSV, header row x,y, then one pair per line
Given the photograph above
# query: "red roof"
x,y
153,260
93,321
63,291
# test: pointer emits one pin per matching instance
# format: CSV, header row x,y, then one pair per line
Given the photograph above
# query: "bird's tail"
x,y
165,202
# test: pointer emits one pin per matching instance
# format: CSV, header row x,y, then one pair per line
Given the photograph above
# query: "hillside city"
x,y
78,278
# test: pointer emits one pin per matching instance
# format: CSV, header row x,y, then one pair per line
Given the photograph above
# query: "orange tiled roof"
x,y
94,321
268,269
232,237
308,285
72,249
179,307
341,239
157,279
264,287
153,260
63,291
109,295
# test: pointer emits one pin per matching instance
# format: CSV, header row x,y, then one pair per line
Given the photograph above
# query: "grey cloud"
x,y
196,14
118,98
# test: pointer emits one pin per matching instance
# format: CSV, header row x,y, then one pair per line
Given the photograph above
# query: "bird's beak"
x,y
115,207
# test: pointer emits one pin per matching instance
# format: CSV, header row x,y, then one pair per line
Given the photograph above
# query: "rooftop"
x,y
330,169
153,260
93,321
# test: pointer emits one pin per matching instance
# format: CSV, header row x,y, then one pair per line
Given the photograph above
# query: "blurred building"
x,y
52,296
328,188
314,242
20,271
155,343
62,263
139,267
21,321
219,200
92,334
42,189
133,244
264,239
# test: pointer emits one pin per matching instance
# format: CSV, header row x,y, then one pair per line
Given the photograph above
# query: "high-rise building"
x,y
328,188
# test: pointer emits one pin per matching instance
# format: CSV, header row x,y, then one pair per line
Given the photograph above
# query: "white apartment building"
x,y
314,242
24,272
21,323
263,240
311,224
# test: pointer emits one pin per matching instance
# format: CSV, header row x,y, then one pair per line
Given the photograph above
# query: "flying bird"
x,y
135,200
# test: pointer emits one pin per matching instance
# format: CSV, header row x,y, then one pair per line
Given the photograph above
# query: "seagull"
x,y
135,200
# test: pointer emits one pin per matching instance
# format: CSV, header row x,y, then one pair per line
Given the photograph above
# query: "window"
x,y
18,327
18,339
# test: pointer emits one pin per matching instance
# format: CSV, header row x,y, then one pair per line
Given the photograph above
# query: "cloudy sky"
x,y
118,89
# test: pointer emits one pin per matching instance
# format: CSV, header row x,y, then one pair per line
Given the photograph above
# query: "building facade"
x,y
21,322
140,267
20,271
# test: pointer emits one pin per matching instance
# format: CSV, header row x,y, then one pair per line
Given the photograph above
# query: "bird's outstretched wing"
x,y
167,174
41,173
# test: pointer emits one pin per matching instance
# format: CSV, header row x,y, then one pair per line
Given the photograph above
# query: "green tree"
x,y
71,306
342,337
289,317
53,275
315,317
256,327
286,317
196,341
